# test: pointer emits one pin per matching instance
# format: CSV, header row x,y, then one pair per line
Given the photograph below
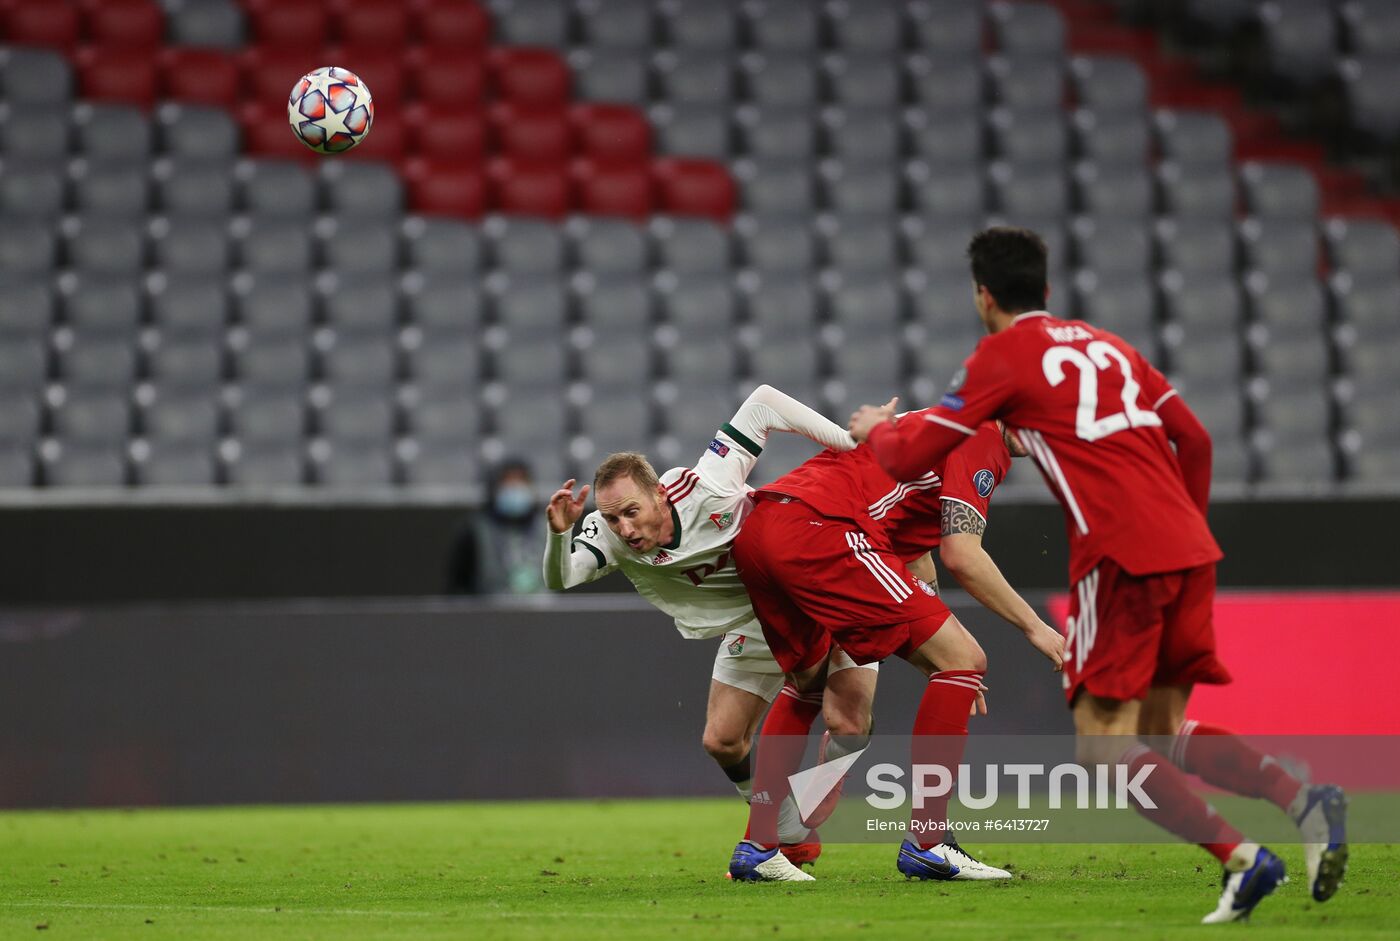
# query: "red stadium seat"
x,y
387,138
529,76
530,134
134,23
381,68
298,23
446,134
126,74
611,132
42,23
530,189
694,188
614,189
267,134
269,72
454,24
451,77
372,22
447,187
203,76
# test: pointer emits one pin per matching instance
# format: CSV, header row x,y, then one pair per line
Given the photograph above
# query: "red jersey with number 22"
x,y
1083,403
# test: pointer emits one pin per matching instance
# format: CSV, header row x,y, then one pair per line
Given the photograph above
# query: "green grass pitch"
x,y
612,869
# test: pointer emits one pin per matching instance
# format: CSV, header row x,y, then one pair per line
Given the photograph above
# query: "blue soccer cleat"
x,y
917,863
1323,824
753,863
1241,891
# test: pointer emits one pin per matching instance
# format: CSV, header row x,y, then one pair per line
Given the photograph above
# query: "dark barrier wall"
x,y
69,555
585,696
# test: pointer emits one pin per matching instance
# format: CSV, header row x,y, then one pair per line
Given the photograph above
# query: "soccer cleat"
x,y
753,863
800,854
1323,825
1241,891
969,868
918,863
823,810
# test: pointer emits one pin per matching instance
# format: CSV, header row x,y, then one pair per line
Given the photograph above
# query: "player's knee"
x,y
726,747
845,720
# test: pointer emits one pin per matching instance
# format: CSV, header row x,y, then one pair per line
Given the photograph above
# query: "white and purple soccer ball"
x,y
330,110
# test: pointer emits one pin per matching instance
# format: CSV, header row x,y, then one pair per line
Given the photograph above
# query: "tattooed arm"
x,y
962,554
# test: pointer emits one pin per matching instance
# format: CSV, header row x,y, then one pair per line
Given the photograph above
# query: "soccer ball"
x,y
330,110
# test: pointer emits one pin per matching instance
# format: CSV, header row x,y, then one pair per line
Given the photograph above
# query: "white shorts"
x,y
744,661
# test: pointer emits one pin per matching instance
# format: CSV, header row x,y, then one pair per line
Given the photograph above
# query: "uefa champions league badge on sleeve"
x,y
985,481
719,447
951,399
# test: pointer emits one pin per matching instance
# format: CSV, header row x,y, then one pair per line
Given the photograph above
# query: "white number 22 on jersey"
x,y
1098,355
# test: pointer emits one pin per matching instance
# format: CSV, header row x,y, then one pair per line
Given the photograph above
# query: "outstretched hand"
x,y
867,417
564,508
1050,642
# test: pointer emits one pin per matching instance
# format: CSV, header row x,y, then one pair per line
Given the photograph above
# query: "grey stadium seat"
x,y
533,23
1027,84
361,302
446,362
617,307
1285,249
16,466
35,135
1030,139
867,25
864,137
362,248
701,305
778,243
692,246
360,360
876,358
1032,193
863,244
1205,305
27,247
778,133
1109,85
274,363
189,417
703,362
361,189
193,246
92,415
606,247
948,137
19,417
1121,192
192,305
792,25
355,465
933,245
948,191
1369,307
109,246
1298,308
1366,249
1206,360
177,466
611,74
1373,26
276,246
23,362
779,80
113,132
532,420
702,26
1197,248
444,245
861,81
788,364
277,188
447,417
113,189
37,77
1300,39
858,190
868,304
953,85
616,23
784,303
1371,104
947,27
262,465
698,129
522,367
624,363
276,305
776,187
216,23
1120,140
696,77
526,247
27,305
111,303
1029,29
536,304
1279,191
87,465
196,188
1198,192
611,423
197,133
1124,306
1112,247
196,361
1195,138
447,305
364,416
39,191
271,416
443,464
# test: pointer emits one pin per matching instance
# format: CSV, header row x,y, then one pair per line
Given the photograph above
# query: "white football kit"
x,y
693,579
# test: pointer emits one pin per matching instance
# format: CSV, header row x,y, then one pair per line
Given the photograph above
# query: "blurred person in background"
x,y
497,551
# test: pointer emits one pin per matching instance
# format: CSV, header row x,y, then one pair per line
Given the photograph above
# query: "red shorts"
x,y
1128,633
814,579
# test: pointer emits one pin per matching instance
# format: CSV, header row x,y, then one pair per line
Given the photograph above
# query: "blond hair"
x,y
626,464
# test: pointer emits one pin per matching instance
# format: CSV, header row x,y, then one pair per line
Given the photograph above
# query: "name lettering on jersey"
x,y
721,520
702,572
719,447
1068,334
985,481
661,558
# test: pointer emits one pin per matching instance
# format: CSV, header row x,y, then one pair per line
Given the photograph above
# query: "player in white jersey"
x,y
671,536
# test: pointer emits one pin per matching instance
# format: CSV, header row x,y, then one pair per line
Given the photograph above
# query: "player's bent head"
x,y
1010,263
632,501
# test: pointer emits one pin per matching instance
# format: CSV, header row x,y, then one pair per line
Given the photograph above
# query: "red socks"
x,y
1178,810
940,734
1222,758
782,741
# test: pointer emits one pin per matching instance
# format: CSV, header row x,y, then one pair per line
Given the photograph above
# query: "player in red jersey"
x,y
1130,464
823,556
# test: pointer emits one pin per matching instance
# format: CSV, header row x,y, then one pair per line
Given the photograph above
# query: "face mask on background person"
x,y
514,501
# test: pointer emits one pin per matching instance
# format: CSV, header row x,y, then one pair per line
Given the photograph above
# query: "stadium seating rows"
x,y
176,311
